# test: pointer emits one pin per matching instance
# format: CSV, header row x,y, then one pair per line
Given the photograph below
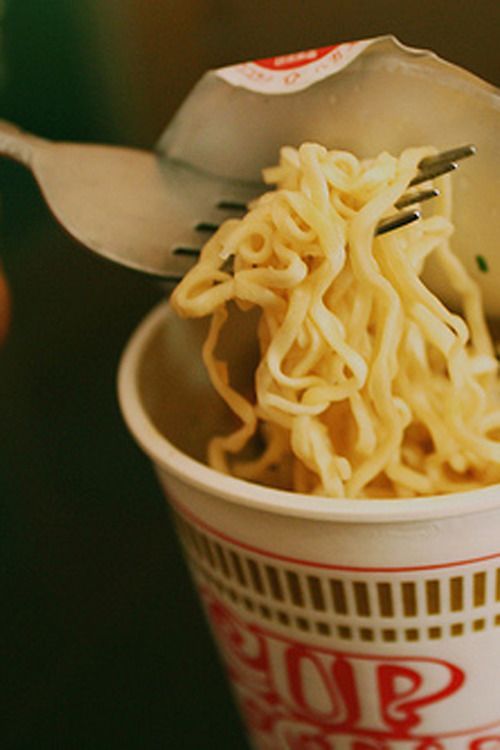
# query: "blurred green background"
x,y
104,644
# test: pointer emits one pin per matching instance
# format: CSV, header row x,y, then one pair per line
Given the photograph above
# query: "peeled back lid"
x,y
366,97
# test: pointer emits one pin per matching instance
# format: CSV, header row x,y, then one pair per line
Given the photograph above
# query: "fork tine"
x,y
408,199
232,206
435,170
441,163
190,252
428,168
194,252
396,221
207,226
454,154
416,196
387,225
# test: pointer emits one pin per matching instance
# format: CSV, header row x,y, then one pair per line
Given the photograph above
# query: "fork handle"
x,y
18,144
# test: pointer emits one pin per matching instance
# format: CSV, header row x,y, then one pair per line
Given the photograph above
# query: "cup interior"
x,y
172,411
174,385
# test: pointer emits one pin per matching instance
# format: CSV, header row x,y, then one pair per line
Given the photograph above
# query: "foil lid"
x,y
366,97
286,74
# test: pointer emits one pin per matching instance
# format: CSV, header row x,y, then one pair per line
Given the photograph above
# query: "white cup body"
x,y
342,623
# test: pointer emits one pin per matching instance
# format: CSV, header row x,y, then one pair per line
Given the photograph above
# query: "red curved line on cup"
x,y
313,564
469,733
209,596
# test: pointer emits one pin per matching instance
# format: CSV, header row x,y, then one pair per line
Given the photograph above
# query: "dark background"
x,y
103,642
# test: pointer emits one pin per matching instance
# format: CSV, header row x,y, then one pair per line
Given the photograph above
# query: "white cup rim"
x,y
170,459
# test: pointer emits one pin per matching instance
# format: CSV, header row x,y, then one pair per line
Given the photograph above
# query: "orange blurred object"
x,y
4,306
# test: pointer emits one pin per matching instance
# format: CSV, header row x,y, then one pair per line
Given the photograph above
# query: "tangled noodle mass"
x,y
367,385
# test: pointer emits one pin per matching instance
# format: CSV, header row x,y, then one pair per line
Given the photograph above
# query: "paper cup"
x,y
344,624
360,624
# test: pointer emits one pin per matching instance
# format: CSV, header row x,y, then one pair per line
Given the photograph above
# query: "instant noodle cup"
x,y
340,621
343,624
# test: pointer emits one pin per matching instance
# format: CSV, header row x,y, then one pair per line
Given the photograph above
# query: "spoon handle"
x,y
17,144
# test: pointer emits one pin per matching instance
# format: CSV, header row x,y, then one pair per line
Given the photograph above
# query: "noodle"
x,y
367,384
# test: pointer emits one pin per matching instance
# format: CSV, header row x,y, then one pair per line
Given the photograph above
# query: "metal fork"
x,y
428,169
151,211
